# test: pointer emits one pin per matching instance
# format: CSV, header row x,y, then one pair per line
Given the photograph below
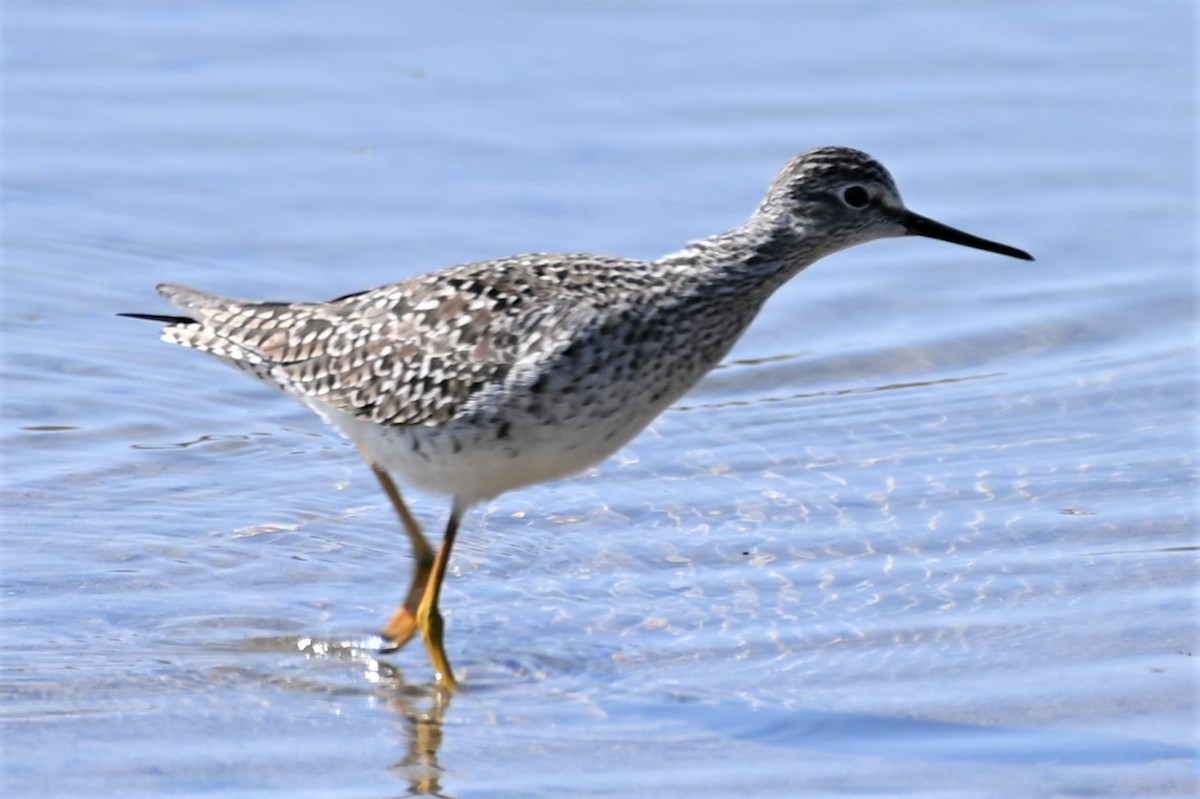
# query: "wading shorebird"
x,y
485,377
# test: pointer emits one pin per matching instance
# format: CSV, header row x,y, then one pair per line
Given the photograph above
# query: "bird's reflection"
x,y
423,716
421,707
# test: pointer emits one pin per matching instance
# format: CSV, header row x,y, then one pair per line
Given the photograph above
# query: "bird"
x,y
486,377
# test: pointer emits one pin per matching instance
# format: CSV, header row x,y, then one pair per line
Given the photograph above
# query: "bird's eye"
x,y
856,197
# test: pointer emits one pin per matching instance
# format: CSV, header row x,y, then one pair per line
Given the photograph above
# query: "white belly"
x,y
471,464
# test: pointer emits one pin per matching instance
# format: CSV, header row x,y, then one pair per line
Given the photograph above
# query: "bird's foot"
x,y
399,631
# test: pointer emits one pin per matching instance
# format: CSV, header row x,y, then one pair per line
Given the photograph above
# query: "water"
x,y
930,531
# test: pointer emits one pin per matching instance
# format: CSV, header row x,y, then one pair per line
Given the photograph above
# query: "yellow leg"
x,y
404,623
429,618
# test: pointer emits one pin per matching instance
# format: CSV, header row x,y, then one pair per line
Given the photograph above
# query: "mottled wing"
x,y
414,352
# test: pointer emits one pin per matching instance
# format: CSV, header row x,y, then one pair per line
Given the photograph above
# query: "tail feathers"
x,y
164,318
200,304
185,299
196,332
188,332
194,300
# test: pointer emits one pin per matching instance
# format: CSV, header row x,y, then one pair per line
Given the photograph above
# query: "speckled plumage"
x,y
484,377
506,357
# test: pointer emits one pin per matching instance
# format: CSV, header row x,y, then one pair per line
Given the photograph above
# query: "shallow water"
x,y
931,530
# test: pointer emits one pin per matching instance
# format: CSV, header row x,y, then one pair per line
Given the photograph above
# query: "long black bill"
x,y
918,225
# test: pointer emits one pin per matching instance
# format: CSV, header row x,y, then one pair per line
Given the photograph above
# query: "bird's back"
x,y
419,351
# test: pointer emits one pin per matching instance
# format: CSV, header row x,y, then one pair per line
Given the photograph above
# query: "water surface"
x,y
931,530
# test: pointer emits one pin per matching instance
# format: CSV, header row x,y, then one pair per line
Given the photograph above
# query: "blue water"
x,y
930,531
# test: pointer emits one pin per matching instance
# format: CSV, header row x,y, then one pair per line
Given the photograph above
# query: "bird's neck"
x,y
750,261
